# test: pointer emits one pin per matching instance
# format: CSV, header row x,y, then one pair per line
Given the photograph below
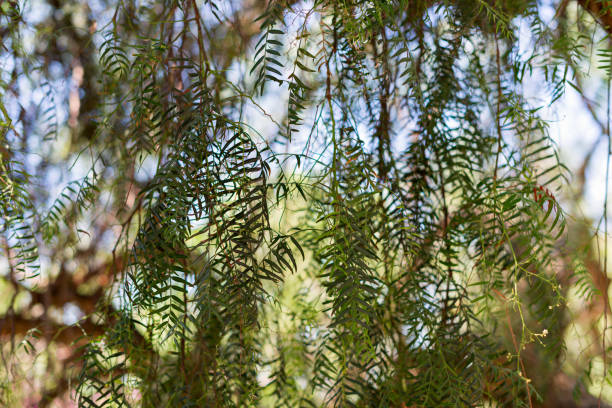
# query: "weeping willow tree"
x,y
282,203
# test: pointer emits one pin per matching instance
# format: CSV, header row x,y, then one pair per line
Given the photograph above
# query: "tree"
x,y
328,203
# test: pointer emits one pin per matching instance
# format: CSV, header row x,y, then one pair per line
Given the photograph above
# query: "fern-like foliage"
x,y
378,230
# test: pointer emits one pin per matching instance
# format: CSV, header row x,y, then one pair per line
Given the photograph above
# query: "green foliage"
x,y
428,193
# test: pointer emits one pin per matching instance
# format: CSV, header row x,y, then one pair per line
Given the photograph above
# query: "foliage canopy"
x,y
328,203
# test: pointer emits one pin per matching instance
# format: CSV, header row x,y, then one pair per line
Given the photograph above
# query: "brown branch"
x,y
20,325
601,10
